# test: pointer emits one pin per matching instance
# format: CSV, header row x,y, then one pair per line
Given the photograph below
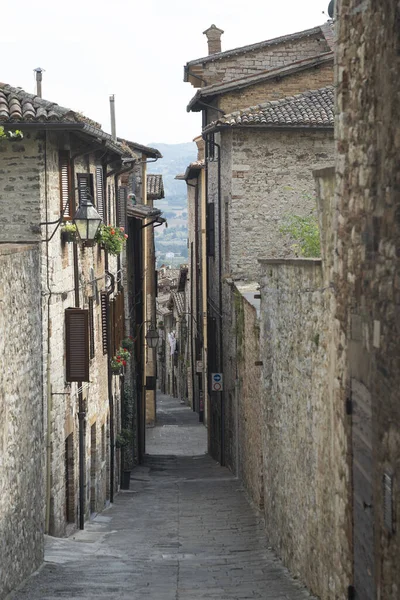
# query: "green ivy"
x,y
10,135
305,231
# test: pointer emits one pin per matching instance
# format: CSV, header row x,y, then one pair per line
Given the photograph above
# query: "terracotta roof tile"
x,y
309,109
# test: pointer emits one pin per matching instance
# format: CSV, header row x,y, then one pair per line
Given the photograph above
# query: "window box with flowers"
x,y
68,232
119,361
128,343
111,238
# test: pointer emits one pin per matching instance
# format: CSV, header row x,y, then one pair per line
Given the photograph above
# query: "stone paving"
x,y
184,531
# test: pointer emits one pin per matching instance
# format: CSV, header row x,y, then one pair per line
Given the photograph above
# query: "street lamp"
x,y
152,337
87,220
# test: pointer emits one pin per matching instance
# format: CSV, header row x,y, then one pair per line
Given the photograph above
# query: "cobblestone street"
x,y
184,531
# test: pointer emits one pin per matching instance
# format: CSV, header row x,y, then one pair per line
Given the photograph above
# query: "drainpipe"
x,y
221,353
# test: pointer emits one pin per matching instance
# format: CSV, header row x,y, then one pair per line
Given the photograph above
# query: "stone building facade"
x,y
21,422
367,279
61,160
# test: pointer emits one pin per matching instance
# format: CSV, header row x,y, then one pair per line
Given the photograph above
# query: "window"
x,y
91,328
77,344
100,192
66,191
210,221
85,187
103,298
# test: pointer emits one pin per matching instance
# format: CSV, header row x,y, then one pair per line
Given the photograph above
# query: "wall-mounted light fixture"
x,y
152,337
87,220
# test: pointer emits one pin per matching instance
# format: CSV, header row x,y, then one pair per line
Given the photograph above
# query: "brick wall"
x,y
266,175
368,274
310,79
270,57
21,426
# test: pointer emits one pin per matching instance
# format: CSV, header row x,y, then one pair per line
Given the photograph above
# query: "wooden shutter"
x,y
109,203
103,298
211,229
91,328
100,192
77,344
85,187
111,308
121,206
66,196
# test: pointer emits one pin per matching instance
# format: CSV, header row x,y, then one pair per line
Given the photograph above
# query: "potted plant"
x,y
111,238
68,232
119,361
127,343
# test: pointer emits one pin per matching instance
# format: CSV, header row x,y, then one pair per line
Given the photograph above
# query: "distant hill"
x,y
176,157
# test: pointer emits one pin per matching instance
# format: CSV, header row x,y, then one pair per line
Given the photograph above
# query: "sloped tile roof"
x,y
17,108
310,109
155,186
147,150
191,171
253,47
234,85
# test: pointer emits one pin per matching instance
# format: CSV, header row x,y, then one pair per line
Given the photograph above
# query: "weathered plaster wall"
x,y
306,471
277,55
21,425
310,79
266,176
368,251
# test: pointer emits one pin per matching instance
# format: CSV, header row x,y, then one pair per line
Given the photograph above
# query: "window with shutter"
x,y
210,229
77,344
66,192
100,191
103,298
91,328
109,204
85,187
122,197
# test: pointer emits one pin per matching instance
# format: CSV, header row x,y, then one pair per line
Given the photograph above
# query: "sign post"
x,y
217,382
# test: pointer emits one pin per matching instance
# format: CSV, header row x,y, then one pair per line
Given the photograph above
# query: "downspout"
x,y
48,358
221,353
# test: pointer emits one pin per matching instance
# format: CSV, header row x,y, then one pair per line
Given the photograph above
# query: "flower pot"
x,y
68,236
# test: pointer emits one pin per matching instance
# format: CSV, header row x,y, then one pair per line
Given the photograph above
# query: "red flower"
x,y
112,232
124,363
130,337
118,359
125,236
121,229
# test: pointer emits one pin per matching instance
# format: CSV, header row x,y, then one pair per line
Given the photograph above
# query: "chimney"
x,y
38,71
213,39
112,113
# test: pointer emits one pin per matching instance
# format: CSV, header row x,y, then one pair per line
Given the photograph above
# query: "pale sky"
x,y
135,50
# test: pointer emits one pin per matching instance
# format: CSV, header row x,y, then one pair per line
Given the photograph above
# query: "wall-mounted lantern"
x,y
87,221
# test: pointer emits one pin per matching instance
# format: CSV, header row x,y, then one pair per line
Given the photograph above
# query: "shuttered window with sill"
x,y
77,344
66,191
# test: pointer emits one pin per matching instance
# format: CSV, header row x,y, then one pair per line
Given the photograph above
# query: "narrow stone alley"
x,y
183,531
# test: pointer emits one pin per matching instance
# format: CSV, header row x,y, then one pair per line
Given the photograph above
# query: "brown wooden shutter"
x,y
103,298
85,187
91,328
109,203
66,199
111,308
122,197
100,191
77,344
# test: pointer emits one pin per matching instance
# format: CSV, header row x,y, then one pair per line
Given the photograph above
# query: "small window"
x,y
85,187
91,328
100,191
66,191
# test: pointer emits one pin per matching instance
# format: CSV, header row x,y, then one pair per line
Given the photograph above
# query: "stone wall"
x,y
266,176
309,79
305,444
368,290
21,418
21,163
270,57
249,392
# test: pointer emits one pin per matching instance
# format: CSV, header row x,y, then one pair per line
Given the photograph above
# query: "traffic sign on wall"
x,y
217,384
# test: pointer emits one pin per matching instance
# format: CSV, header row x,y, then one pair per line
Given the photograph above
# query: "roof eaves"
x,y
147,150
255,78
